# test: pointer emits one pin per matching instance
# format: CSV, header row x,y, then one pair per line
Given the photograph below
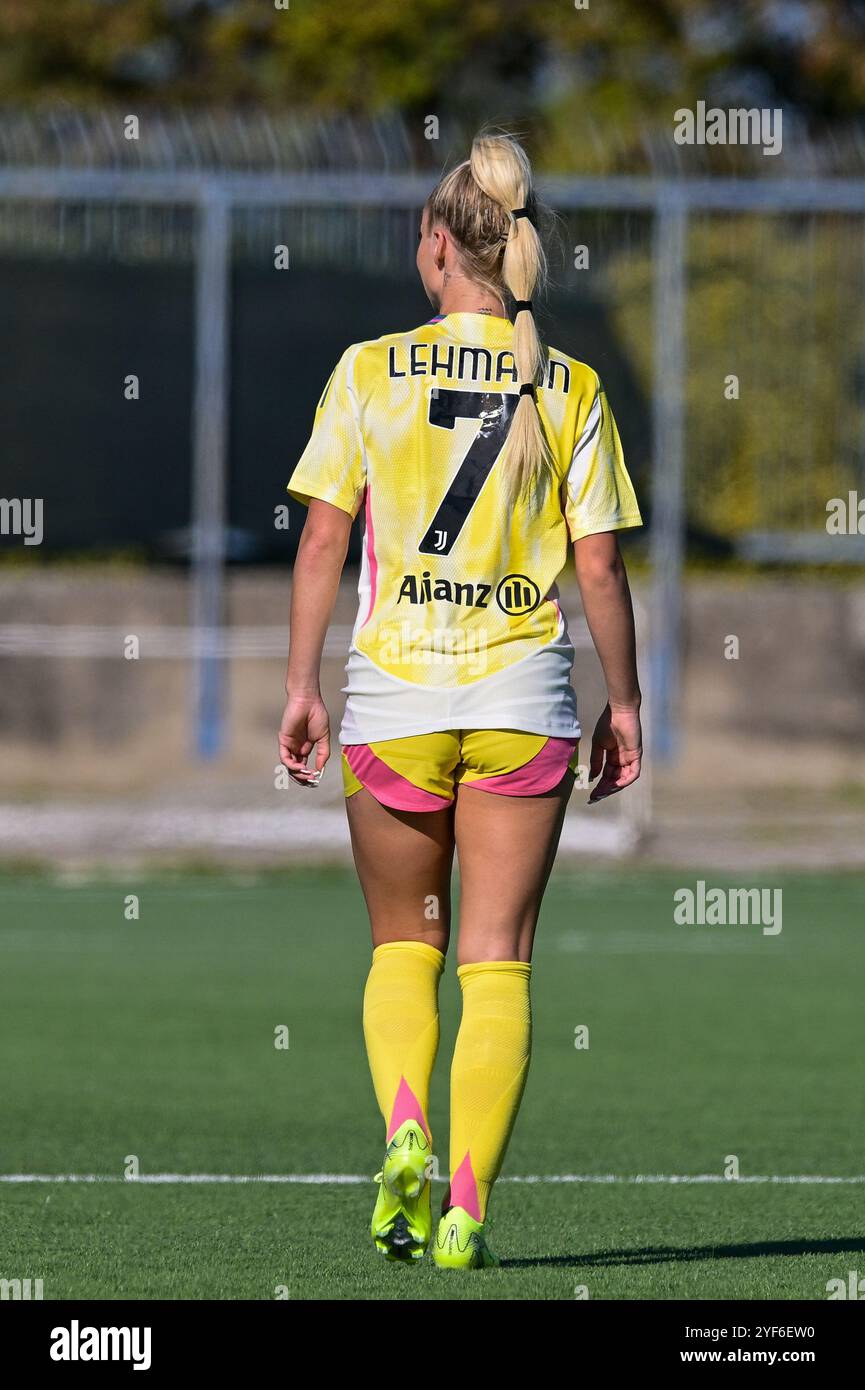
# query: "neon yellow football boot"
x,y
401,1222
460,1243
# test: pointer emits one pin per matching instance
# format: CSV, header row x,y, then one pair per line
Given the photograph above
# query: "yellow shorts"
x,y
422,773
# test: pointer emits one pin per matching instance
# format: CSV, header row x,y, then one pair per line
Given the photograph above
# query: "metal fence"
x,y
218,197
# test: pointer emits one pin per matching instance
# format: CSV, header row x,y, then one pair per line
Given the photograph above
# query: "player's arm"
x,y
317,569
617,742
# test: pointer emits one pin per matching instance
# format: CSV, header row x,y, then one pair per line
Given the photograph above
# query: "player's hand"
x,y
617,751
305,726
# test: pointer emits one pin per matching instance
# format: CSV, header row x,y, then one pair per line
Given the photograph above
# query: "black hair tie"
x,y
520,212
527,389
521,304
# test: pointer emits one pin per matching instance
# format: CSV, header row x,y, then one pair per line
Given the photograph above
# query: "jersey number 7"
x,y
494,410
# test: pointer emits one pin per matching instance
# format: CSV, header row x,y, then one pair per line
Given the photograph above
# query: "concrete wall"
x,y
774,740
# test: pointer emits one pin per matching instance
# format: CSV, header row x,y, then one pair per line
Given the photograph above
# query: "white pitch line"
x,y
350,1179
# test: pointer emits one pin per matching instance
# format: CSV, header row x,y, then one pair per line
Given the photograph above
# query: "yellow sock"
x,y
488,1074
401,1028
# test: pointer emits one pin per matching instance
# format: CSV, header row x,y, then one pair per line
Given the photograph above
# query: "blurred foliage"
x,y
772,299
583,78
775,301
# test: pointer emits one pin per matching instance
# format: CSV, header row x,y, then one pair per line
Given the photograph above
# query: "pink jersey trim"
x,y
369,538
540,774
387,786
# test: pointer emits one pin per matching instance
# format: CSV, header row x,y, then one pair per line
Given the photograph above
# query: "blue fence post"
x,y
667,540
209,466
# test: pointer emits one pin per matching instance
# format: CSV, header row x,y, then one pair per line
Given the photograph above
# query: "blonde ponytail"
x,y
477,201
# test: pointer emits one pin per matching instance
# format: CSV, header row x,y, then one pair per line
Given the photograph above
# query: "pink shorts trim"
x,y
540,774
388,786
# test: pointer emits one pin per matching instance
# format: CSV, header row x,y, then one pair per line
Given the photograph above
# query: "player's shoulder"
x,y
364,364
371,348
583,381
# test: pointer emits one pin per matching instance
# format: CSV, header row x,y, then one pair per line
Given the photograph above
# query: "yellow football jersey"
x,y
459,624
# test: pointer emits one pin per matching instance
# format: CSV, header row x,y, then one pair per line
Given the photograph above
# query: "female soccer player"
x,y
475,455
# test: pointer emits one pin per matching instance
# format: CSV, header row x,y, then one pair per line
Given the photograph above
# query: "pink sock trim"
x,y
540,774
406,1106
464,1189
387,786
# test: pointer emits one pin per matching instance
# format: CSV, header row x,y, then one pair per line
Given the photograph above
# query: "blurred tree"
x,y
776,302
623,63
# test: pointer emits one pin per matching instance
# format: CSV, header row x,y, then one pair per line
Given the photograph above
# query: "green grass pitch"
x,y
155,1038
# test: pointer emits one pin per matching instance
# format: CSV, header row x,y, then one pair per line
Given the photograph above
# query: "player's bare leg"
x,y
506,846
404,864
404,861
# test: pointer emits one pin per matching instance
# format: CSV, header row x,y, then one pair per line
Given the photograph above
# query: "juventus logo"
x,y
441,540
